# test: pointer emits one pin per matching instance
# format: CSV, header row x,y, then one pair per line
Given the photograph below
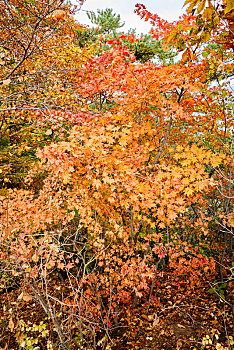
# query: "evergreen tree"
x,y
144,48
106,20
147,48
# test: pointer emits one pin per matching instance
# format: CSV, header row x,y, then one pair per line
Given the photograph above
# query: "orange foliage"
x,y
129,176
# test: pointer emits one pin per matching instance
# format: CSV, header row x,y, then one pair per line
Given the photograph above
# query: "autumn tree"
x,y
38,58
134,171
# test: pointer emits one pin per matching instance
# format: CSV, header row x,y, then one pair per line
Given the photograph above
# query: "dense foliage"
x,y
116,179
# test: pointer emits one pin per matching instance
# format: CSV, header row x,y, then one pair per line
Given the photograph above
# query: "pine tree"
x,y
144,48
107,21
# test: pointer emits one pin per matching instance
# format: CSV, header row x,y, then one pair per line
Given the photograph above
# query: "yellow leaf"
x,y
216,20
171,37
11,324
208,12
35,257
229,7
206,36
201,6
161,225
188,191
193,3
186,2
232,219
186,162
21,296
185,56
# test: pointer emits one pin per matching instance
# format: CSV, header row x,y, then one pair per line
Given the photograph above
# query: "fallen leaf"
x,y
180,325
156,321
20,296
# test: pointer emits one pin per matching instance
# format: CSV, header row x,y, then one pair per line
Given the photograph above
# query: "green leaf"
x,y
211,290
205,54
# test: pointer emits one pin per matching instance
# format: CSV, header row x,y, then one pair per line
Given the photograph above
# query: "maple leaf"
x,y
172,215
188,191
69,266
97,183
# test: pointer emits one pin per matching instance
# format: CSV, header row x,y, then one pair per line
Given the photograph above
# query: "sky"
x,y
167,9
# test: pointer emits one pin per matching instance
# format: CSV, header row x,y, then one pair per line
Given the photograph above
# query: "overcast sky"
x,y
167,9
